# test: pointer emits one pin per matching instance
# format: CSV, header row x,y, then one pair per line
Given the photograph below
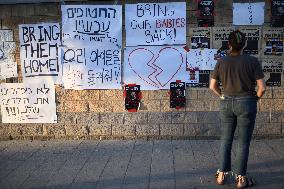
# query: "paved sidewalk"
x,y
159,164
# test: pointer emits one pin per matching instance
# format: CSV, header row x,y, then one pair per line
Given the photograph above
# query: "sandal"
x,y
220,181
244,182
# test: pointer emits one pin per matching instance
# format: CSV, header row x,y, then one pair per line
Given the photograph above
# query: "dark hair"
x,y
237,40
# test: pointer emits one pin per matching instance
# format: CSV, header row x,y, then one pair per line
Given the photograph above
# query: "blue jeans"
x,y
237,112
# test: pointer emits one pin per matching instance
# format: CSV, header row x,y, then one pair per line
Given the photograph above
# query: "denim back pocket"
x,y
223,105
246,106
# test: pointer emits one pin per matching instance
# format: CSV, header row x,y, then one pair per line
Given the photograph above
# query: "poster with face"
x,y
272,43
220,36
205,16
132,95
204,77
177,95
277,13
200,38
253,34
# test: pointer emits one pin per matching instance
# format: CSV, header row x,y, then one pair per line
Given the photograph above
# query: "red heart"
x,y
157,68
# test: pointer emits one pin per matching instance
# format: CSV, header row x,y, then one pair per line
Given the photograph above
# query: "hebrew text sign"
x,y
32,102
199,38
154,67
220,39
92,24
253,36
39,50
155,23
272,43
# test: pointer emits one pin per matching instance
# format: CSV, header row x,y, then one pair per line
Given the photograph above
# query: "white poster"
x,y
32,102
203,59
39,52
155,23
8,69
272,66
154,67
92,25
248,13
91,67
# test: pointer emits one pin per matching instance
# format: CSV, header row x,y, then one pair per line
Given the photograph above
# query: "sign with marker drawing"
x,y
92,67
199,37
253,36
91,24
154,67
39,51
32,102
248,13
220,39
155,23
272,43
8,69
204,59
277,13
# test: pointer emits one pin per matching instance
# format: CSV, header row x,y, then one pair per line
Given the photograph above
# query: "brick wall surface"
x,y
100,114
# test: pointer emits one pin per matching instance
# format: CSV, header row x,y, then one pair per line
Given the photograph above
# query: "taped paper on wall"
x,y
220,39
91,25
277,13
155,23
199,38
154,67
39,53
206,13
253,37
204,77
248,13
204,59
91,67
272,43
32,102
8,69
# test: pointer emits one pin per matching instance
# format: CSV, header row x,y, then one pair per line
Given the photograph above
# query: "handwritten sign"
x,y
248,13
272,43
91,68
204,59
8,69
154,67
39,51
220,39
91,24
155,23
32,102
199,37
253,36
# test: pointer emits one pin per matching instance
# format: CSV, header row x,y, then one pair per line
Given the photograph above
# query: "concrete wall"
x,y
101,114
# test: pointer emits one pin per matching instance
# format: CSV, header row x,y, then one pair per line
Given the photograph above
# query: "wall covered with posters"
x,y
67,70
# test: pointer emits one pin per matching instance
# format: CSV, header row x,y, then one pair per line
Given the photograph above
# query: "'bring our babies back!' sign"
x,y
155,23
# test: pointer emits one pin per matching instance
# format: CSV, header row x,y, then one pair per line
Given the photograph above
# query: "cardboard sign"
x,y
39,51
253,36
133,97
32,102
200,38
277,13
248,13
177,95
272,43
155,23
205,16
220,39
154,67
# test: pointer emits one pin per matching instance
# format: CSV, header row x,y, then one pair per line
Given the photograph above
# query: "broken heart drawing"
x,y
154,67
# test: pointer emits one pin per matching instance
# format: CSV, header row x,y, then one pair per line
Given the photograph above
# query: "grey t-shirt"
x,y
238,74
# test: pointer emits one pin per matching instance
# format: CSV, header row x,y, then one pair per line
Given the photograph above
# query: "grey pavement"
x,y
131,164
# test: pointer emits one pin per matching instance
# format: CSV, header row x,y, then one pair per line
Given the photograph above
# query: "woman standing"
x,y
238,107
